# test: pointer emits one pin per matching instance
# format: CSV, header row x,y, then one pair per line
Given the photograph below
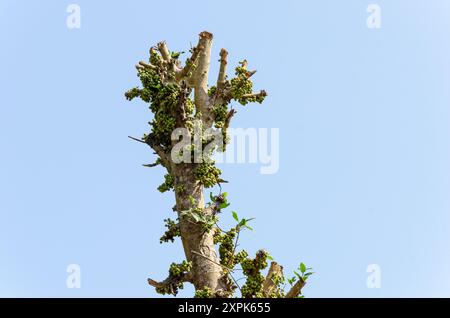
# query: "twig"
x,y
151,165
136,139
213,261
230,270
235,282
158,150
237,239
218,227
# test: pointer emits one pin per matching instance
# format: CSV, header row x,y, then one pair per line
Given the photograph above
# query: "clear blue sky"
x,y
364,119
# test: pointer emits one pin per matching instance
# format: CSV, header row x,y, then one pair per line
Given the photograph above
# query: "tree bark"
x,y
197,243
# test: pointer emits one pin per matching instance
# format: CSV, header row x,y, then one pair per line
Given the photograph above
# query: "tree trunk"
x,y
197,243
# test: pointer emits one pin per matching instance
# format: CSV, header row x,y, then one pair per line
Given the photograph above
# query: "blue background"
x,y
364,143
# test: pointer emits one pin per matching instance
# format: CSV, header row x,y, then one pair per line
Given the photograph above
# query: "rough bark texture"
x,y
270,285
198,245
296,289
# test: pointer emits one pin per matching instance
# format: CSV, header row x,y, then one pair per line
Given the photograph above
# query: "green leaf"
x,y
224,205
305,277
235,216
196,217
302,268
298,275
211,197
292,280
269,257
248,227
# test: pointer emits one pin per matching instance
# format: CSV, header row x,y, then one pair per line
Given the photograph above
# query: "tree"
x,y
185,106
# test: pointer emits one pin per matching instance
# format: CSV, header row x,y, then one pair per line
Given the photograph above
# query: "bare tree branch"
x,y
162,48
158,150
189,63
156,284
223,70
151,165
261,93
244,65
146,65
137,139
161,62
226,94
269,284
250,73
228,119
171,283
152,51
296,290
201,97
